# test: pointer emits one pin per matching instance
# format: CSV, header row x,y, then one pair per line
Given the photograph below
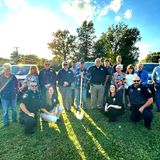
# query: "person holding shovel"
x,y
81,86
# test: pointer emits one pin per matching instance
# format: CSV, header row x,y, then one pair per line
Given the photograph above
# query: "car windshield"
x,y
149,67
87,64
20,70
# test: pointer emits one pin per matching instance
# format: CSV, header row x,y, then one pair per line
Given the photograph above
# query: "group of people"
x,y
112,88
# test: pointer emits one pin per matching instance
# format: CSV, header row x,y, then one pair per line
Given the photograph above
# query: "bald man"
x,y
140,100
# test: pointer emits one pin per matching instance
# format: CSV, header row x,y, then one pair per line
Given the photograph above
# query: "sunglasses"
x,y
34,86
136,81
47,64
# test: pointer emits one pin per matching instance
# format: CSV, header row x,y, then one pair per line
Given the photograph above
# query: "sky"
x,y
29,24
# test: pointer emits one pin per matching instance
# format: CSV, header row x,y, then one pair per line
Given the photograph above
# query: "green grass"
x,y
92,138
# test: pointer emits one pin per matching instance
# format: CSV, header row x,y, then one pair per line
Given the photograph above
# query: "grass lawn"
x,y
92,138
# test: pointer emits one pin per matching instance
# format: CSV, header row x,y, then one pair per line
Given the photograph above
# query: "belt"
x,y
98,84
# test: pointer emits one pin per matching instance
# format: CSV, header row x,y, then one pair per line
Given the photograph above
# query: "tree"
x,y
152,57
63,44
15,57
3,60
85,40
119,40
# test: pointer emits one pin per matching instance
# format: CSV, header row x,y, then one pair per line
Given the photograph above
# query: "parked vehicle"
x,y
149,68
87,64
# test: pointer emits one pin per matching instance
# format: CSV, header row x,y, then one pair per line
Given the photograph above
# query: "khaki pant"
x,y
97,93
66,93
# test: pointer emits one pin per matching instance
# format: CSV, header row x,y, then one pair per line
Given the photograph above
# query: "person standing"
x,y
47,78
81,73
65,79
31,77
130,74
8,93
119,61
98,76
140,100
119,78
143,74
29,106
156,80
108,78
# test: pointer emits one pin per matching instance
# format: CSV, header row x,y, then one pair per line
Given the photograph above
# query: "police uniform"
x,y
97,81
32,102
138,97
47,76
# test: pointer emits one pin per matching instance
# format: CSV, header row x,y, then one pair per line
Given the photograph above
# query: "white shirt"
x,y
129,79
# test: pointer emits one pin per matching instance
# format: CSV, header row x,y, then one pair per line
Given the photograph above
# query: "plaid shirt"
x,y
78,77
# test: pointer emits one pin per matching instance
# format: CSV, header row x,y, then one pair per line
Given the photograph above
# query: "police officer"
x,y
98,75
29,105
65,79
140,100
47,78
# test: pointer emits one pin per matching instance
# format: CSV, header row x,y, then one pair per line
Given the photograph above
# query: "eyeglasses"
x,y
65,64
34,86
136,81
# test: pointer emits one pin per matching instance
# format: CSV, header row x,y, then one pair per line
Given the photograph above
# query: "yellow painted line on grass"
x,y
73,136
93,123
51,125
55,126
97,144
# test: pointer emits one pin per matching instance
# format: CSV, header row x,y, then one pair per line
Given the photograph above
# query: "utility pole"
x,y
16,49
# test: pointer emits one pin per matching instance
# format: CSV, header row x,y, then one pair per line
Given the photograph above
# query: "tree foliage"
x,y
15,57
85,40
63,44
118,40
152,57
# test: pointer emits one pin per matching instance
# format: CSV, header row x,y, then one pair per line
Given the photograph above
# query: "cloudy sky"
x,y
29,24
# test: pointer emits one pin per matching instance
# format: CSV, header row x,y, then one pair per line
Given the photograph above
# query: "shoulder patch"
x,y
149,90
25,95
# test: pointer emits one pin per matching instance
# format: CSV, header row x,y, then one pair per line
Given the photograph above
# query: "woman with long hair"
x,y
130,74
51,109
114,105
31,77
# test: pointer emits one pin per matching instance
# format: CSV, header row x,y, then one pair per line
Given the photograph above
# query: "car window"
x,y
87,64
20,70
149,67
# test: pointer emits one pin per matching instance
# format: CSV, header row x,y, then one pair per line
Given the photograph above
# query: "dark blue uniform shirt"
x,y
32,101
138,96
65,76
98,75
47,76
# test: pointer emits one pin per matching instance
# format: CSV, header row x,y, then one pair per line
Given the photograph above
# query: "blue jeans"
x,y
157,98
5,104
84,97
